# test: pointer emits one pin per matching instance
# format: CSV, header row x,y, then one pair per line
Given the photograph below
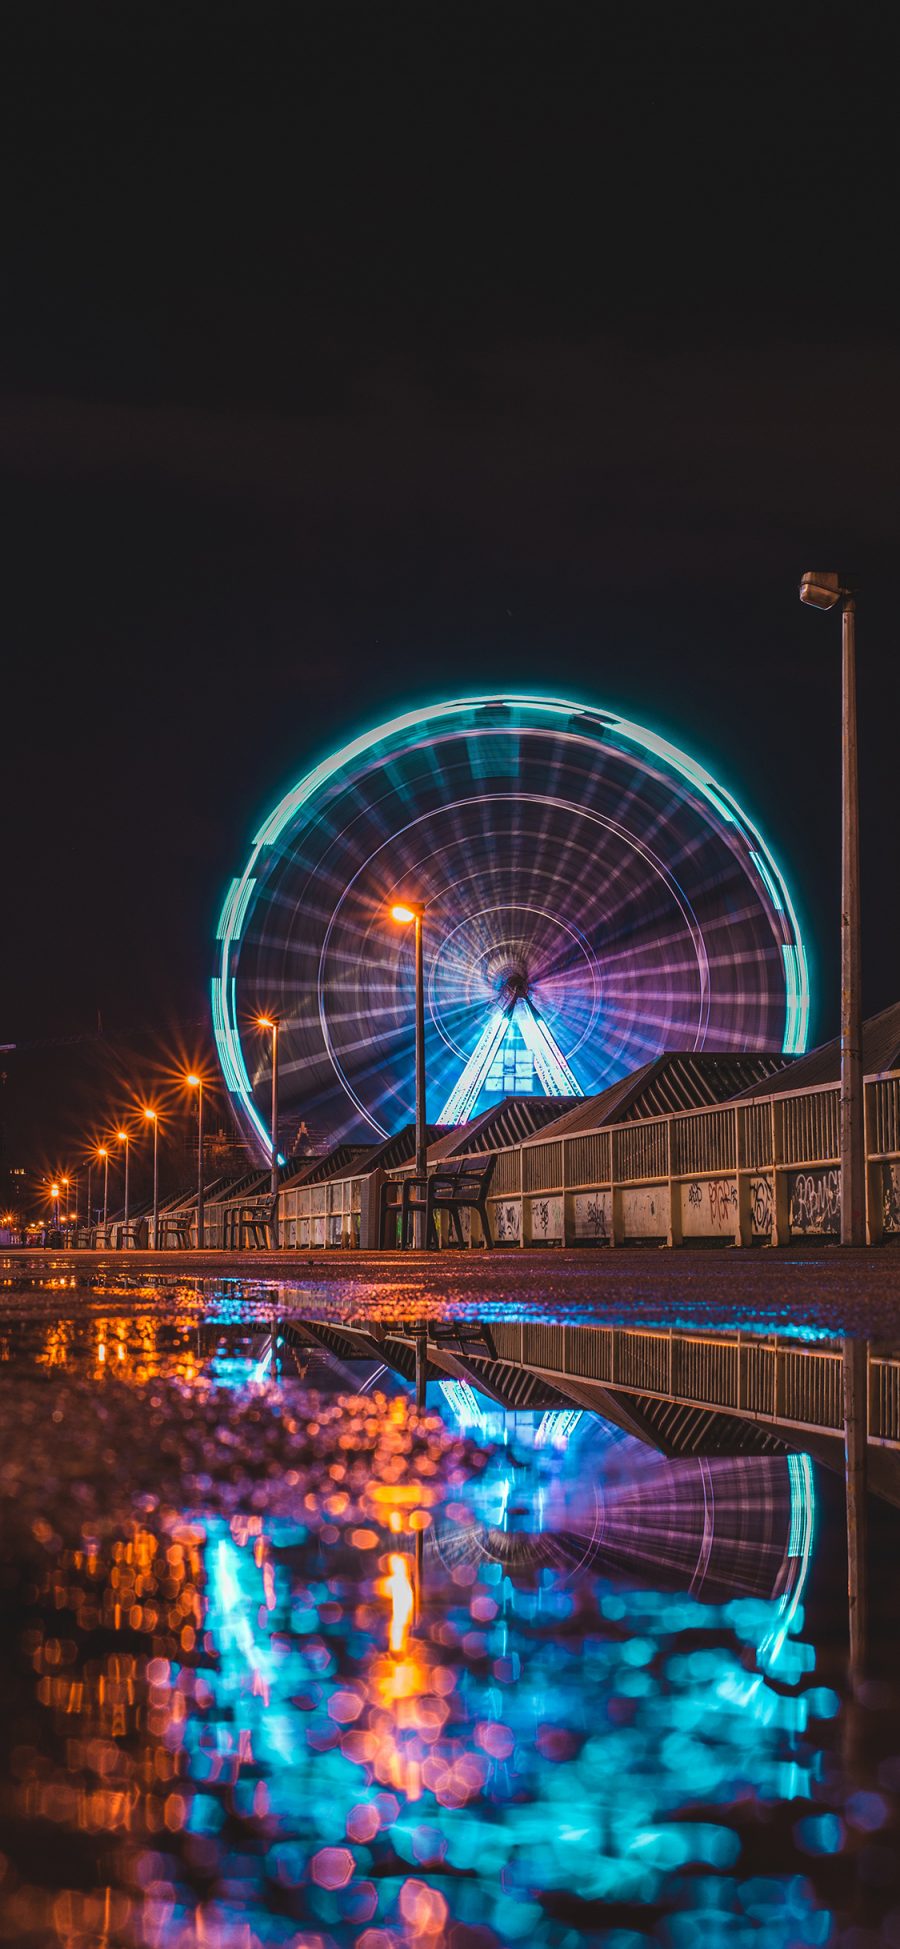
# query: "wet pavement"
x,y
855,1292
287,1662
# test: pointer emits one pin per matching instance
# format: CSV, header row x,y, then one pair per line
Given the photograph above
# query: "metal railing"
x,y
742,1173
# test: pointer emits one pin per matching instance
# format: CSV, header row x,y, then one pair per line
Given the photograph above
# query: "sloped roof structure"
x,y
679,1080
881,1052
510,1121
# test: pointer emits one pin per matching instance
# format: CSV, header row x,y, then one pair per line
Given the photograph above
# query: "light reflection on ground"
x,y
243,1707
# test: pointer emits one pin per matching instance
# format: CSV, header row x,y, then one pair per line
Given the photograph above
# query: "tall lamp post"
x,y
122,1138
271,1022
54,1194
104,1153
195,1082
65,1189
405,912
152,1118
824,592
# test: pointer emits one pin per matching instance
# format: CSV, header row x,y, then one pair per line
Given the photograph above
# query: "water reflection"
x,y
243,1708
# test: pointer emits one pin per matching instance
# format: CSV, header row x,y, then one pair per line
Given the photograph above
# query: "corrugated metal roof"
x,y
401,1149
344,1158
881,1051
678,1080
508,1122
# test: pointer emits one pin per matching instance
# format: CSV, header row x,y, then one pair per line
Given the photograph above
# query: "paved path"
x,y
820,1287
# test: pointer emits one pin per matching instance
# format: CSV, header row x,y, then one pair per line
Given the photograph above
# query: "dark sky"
x,y
355,353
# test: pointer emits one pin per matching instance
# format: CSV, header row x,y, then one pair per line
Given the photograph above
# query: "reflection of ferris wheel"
x,y
591,897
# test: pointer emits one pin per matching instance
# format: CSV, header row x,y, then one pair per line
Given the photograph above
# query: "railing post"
x,y
744,1229
781,1214
873,1177
675,1233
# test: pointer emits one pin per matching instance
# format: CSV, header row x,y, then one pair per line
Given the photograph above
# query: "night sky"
x,y
355,355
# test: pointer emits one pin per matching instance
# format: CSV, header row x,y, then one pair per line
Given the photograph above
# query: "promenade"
x,y
824,1289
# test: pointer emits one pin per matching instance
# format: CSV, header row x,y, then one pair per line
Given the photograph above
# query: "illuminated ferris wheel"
x,y
591,896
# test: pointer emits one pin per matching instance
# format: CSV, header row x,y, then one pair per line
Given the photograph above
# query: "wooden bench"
x,y
250,1224
453,1188
176,1228
402,1198
135,1234
459,1187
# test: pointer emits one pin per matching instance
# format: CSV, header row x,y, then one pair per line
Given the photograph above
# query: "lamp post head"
x,y
150,1116
102,1151
266,1022
405,911
194,1082
54,1190
121,1136
820,589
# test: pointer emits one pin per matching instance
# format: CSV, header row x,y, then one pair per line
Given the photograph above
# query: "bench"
x,y
250,1224
176,1228
453,1188
402,1198
459,1187
135,1234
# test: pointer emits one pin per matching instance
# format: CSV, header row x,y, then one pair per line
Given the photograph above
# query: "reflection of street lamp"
x,y
404,912
271,1022
196,1083
122,1138
824,591
151,1117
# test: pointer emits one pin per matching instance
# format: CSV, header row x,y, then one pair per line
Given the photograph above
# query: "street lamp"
x,y
150,1116
122,1138
54,1194
195,1082
823,591
104,1153
405,912
271,1022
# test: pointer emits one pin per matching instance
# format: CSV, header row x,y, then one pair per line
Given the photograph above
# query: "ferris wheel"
x,y
591,897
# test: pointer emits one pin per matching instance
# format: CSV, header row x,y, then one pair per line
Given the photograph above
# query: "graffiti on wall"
x,y
591,1211
709,1209
645,1212
507,1222
890,1188
762,1207
815,1202
547,1223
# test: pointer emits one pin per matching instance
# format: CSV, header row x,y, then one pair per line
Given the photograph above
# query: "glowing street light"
x,y
406,913
151,1117
54,1194
270,1022
122,1138
825,591
195,1082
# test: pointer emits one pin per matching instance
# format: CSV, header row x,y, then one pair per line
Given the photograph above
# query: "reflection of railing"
x,y
769,1379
